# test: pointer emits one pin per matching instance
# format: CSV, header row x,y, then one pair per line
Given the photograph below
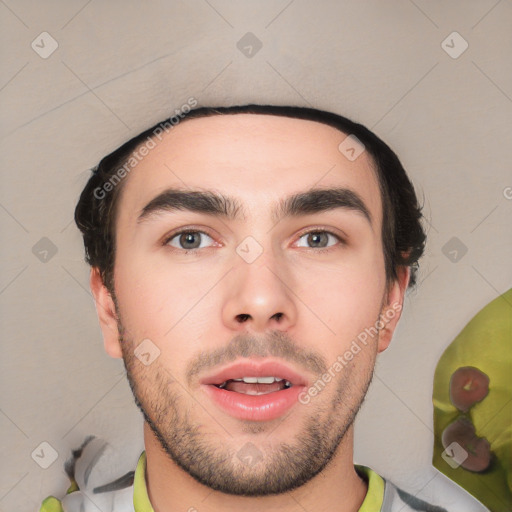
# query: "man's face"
x,y
269,285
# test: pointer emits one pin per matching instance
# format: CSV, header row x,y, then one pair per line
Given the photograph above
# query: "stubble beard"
x,y
209,458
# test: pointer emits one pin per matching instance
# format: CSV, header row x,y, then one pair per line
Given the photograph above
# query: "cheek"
x,y
346,295
166,302
139,295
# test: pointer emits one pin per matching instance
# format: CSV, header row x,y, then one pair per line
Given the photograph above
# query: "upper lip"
x,y
255,368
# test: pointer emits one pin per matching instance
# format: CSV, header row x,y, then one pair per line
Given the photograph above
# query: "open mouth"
x,y
255,385
255,390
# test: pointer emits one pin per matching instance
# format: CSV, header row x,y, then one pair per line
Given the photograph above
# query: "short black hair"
x,y
403,236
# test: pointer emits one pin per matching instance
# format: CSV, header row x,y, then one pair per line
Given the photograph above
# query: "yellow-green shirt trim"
x,y
375,495
141,501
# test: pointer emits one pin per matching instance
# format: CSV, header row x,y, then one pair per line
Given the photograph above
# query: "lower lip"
x,y
254,407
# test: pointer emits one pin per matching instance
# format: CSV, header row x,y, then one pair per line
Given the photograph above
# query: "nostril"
x,y
242,317
278,316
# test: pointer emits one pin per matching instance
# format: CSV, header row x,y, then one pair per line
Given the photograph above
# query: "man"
x,y
248,265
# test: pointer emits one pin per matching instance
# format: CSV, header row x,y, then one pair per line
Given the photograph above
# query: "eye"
x,y
319,239
189,240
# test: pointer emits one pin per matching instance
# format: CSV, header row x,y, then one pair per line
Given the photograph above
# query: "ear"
x,y
392,307
105,308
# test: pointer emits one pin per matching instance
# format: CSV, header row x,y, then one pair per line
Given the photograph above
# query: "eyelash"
x,y
167,239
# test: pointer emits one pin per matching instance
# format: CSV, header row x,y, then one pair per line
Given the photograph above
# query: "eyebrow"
x,y
217,204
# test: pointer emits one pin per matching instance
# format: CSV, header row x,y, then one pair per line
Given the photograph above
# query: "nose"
x,y
259,297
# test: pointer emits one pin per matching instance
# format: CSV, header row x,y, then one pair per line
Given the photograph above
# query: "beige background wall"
x,y
121,66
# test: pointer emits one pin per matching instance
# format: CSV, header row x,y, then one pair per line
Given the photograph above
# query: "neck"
x,y
170,489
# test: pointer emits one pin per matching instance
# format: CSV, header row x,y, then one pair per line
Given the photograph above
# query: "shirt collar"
x,y
375,495
140,493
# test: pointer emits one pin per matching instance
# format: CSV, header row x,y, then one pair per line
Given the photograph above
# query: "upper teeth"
x,y
258,380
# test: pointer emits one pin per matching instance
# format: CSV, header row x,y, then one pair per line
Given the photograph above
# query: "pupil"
x,y
315,238
188,238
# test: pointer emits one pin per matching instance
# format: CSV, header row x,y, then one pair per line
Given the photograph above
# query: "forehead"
x,y
253,157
